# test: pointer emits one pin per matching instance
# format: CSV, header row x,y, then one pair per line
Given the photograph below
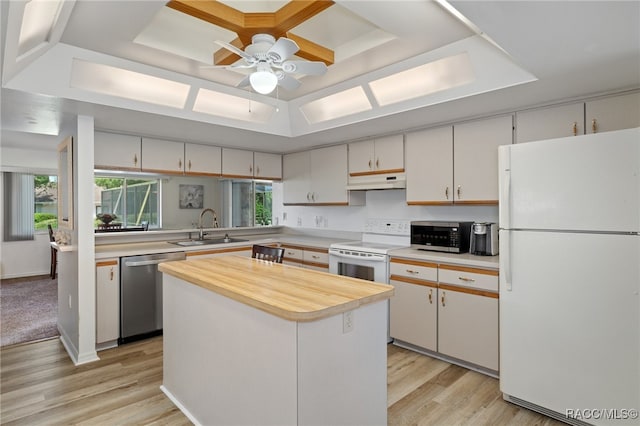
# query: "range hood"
x,y
384,181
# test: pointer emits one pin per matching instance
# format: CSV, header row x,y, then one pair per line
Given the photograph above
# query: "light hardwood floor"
x,y
40,385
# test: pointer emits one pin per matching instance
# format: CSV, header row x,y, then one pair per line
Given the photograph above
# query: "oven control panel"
x,y
388,227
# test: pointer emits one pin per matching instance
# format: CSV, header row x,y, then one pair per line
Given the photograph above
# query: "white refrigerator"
x,y
570,277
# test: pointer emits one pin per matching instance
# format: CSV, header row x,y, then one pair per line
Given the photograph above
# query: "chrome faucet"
x,y
201,232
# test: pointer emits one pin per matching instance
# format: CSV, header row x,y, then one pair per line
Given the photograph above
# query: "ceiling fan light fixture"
x,y
263,81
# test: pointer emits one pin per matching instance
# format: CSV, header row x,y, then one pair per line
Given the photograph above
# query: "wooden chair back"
x,y
272,254
52,238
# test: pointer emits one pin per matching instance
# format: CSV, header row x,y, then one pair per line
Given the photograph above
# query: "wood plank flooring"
x,y
40,385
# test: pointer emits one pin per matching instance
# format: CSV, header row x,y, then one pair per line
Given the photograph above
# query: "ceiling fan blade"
x,y
286,81
229,67
282,49
235,50
244,82
305,67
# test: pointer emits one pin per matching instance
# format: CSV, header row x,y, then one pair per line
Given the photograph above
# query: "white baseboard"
x,y
180,406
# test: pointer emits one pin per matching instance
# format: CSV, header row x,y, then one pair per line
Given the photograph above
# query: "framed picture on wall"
x,y
191,196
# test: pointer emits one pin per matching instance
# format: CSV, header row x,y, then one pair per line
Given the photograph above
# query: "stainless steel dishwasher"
x,y
141,295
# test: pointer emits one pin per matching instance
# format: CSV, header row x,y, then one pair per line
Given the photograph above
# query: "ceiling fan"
x,y
270,58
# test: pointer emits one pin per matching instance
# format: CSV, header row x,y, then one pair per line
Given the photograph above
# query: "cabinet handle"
x,y
442,299
594,126
179,163
575,128
377,163
469,280
411,271
257,171
111,274
369,163
250,169
431,296
290,253
315,257
459,191
189,164
135,159
313,197
446,192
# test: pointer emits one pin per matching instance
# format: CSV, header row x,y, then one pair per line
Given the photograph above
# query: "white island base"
x,y
227,363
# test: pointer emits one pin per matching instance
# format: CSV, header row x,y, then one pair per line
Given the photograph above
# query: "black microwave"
x,y
450,237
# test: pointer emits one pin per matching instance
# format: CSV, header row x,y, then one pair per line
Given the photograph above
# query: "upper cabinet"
x,y
612,113
202,160
456,164
117,152
237,163
160,156
597,115
377,156
318,177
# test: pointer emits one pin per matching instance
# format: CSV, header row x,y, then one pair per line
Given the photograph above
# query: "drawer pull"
x,y
411,271
469,280
290,253
431,296
315,257
111,274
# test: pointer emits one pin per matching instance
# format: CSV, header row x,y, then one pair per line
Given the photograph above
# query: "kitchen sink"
x,y
206,242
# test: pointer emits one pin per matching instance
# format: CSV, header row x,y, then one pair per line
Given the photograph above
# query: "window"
x,y
250,203
133,201
30,204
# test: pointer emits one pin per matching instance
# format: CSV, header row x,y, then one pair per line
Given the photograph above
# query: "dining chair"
x,y
54,254
272,254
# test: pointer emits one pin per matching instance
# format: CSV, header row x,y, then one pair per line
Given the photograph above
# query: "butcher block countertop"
x,y
289,292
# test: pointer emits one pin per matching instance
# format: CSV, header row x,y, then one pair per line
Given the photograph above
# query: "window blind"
x,y
18,206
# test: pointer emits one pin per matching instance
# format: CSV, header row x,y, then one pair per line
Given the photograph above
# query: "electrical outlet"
x,y
299,221
284,216
347,321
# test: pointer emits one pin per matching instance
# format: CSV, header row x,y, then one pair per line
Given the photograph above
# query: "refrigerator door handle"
x,y
504,208
505,260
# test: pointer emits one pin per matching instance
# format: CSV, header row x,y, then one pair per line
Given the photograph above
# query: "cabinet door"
x,y
613,113
413,314
389,154
549,123
116,152
162,156
468,327
429,161
329,175
475,158
293,256
202,160
361,158
267,166
296,173
107,301
237,163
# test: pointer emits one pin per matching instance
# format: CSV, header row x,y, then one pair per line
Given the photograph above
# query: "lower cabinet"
x,y
204,254
306,257
107,301
446,309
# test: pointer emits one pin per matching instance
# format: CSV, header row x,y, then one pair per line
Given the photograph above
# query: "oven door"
x,y
370,268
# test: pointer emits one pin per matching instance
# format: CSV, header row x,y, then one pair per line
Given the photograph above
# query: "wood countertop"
x,y
289,292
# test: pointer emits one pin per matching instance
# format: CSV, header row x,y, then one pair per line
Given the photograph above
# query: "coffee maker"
x,y
484,239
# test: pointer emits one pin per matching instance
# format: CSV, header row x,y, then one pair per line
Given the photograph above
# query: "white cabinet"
x,y
267,166
447,309
318,177
430,166
613,113
116,152
550,122
413,309
202,160
475,158
306,257
456,164
161,156
382,155
237,163
107,301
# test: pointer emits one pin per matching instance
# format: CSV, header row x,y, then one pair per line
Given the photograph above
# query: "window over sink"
x,y
126,202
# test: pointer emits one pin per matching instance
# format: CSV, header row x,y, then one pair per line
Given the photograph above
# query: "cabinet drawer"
x,y
311,256
414,269
292,254
483,279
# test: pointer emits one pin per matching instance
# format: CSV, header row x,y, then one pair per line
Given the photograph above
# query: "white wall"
x,y
383,204
173,217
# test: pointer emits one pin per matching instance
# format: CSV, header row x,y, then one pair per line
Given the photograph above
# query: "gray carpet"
x,y
28,309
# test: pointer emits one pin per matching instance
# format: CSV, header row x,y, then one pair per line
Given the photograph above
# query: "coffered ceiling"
x,y
144,67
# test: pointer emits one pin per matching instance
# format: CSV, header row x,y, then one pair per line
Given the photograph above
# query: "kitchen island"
x,y
253,342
